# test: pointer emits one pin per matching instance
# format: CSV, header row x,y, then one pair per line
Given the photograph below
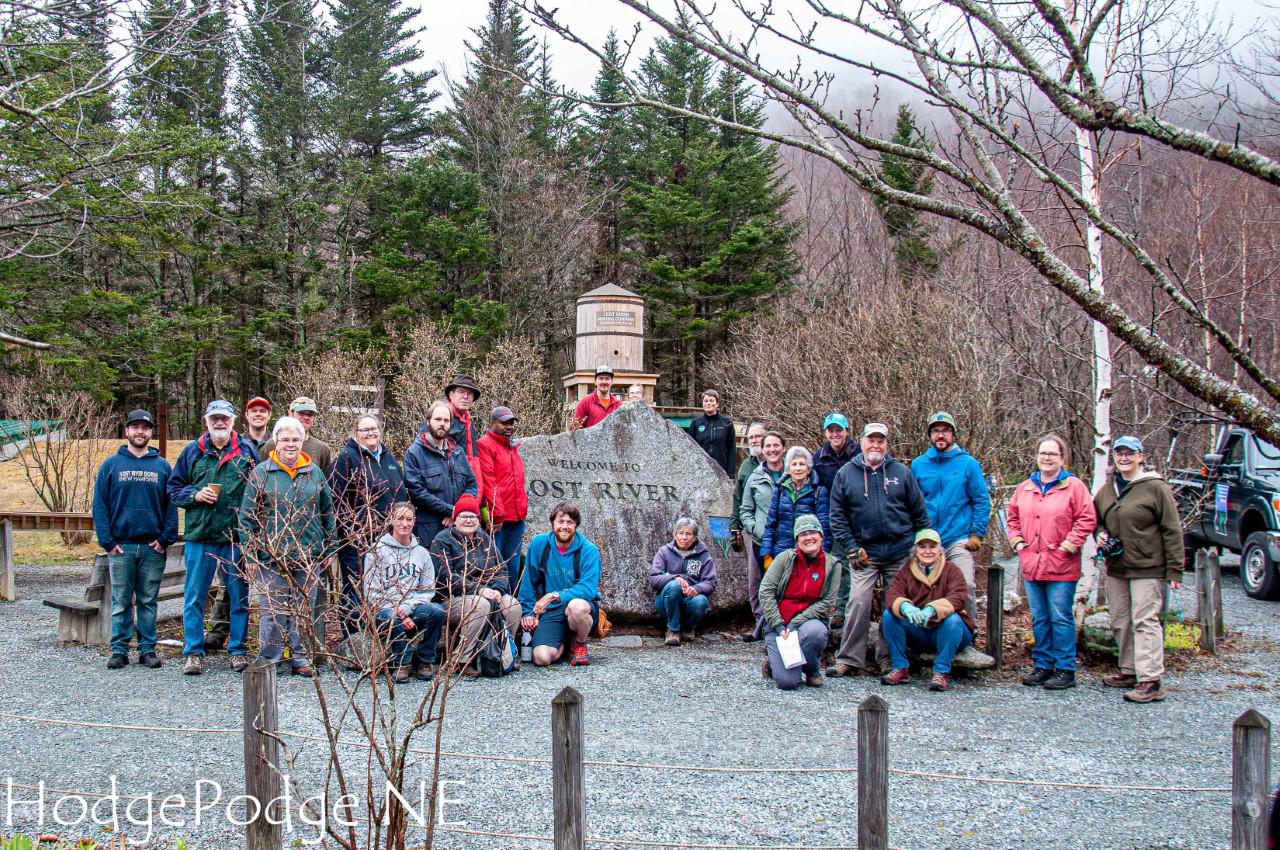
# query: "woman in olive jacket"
x,y
1141,535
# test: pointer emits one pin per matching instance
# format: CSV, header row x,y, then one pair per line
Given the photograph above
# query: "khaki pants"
x,y
857,616
1135,619
963,558
469,614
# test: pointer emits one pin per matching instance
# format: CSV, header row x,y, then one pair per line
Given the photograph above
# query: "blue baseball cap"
x,y
835,417
220,407
1133,444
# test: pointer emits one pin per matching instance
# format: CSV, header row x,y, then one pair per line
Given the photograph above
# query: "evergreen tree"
x,y
915,258
604,149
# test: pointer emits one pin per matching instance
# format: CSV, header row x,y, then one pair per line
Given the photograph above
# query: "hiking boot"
x,y
470,672
750,637
193,665
766,670
688,637
841,669
423,672
940,682
1120,680
1060,680
579,658
673,638
117,660
150,659
1037,677
401,675
239,663
214,643
896,676
814,680
306,671
1145,692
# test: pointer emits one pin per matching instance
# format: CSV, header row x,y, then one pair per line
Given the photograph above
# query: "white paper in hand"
x,y
789,649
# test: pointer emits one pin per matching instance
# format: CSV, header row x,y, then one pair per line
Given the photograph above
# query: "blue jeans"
x,y
350,597
944,640
508,540
682,613
135,584
813,639
203,561
427,620
1052,623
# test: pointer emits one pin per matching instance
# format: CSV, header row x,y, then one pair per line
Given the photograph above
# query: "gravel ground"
x,y
699,705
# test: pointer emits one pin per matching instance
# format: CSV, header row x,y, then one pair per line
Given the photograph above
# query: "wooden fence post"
x,y
262,778
1207,584
1250,780
1216,572
873,774
8,592
566,770
995,612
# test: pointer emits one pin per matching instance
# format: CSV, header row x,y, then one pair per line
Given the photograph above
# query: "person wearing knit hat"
x,y
797,594
472,581
926,609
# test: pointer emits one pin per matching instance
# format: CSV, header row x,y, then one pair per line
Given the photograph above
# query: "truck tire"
x,y
1258,570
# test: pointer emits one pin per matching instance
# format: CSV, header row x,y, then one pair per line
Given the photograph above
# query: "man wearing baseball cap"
x,y
830,459
593,409
504,495
466,430
876,510
134,521
208,483
257,413
305,411
955,491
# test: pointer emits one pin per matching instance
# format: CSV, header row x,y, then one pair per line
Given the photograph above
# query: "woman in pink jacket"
x,y
1050,515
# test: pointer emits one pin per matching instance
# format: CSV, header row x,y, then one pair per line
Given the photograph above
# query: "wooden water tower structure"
x,y
610,331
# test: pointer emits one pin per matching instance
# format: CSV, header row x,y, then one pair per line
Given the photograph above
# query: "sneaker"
x,y
896,676
841,669
117,660
1146,692
1037,677
940,682
1120,680
306,671
400,676
1060,680
193,665
814,680
579,658
766,670
239,663
150,659
673,638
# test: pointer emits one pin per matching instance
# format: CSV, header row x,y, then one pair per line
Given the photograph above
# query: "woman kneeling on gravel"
x,y
1140,537
927,602
797,595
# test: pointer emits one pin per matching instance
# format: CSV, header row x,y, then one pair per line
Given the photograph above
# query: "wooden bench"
x,y
87,618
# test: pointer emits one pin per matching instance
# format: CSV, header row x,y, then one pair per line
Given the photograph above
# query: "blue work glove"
x,y
909,612
926,615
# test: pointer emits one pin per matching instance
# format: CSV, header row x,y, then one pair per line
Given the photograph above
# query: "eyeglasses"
x,y
1049,454
373,430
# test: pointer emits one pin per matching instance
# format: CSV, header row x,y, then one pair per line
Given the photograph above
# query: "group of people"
x,y
436,541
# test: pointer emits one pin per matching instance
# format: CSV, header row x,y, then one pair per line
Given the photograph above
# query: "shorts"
x,y
552,629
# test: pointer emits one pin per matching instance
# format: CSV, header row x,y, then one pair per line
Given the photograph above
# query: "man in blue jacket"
x,y
876,510
955,491
560,590
134,521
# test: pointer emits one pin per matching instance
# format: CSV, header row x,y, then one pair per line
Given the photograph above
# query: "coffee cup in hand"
x,y
217,490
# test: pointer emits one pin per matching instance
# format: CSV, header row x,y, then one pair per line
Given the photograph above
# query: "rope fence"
x,y
633,765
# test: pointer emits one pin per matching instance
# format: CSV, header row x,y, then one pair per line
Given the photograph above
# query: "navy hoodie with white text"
x,y
130,500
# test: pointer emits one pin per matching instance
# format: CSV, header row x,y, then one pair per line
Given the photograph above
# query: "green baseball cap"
x,y
302,404
805,522
928,534
941,418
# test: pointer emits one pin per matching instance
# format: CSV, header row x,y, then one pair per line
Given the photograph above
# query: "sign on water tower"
x,y
610,330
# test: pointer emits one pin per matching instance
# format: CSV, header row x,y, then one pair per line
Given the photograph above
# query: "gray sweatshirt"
x,y
396,575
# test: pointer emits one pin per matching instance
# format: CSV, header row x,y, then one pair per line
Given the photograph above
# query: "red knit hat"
x,y
466,504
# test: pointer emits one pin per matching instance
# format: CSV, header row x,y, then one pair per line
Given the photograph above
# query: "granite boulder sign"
x,y
631,476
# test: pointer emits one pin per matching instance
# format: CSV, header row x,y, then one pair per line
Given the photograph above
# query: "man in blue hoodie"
x,y
560,589
956,492
134,521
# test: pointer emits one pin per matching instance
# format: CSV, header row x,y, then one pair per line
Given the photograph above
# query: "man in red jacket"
x,y
503,492
594,408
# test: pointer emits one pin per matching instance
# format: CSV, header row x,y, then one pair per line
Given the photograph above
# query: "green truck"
x,y
1233,502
